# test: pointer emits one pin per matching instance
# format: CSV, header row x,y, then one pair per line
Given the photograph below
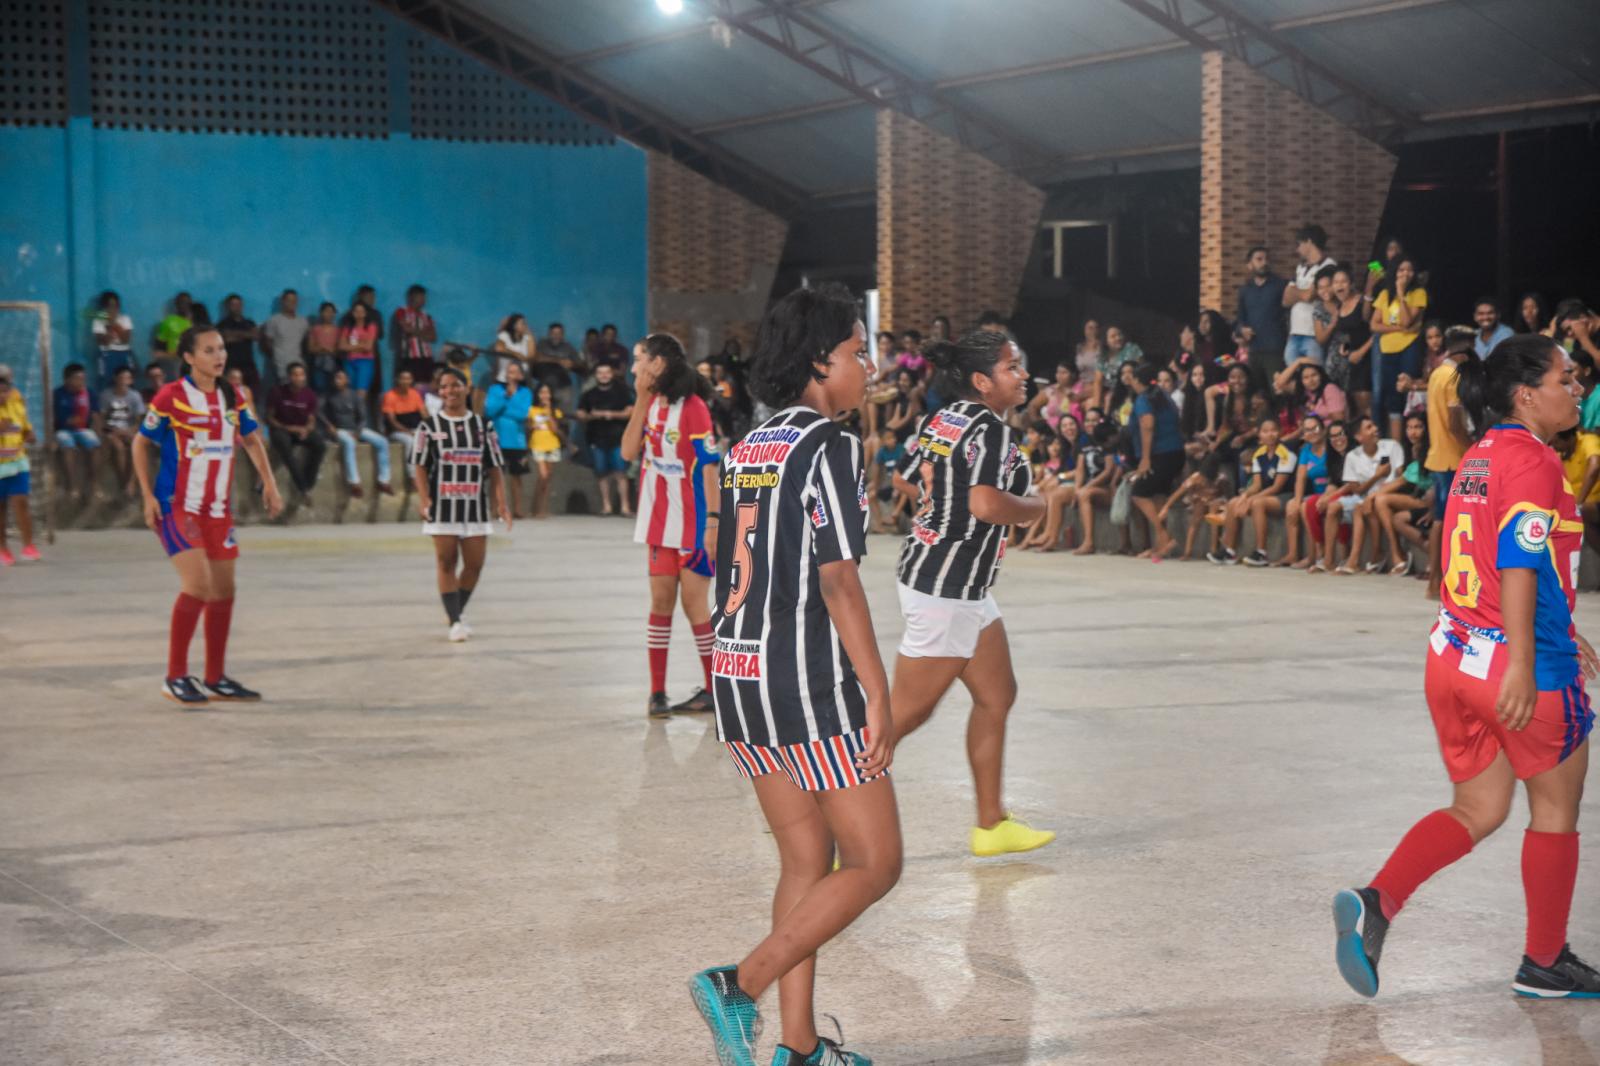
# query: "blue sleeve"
x,y
494,402
247,421
704,453
1527,523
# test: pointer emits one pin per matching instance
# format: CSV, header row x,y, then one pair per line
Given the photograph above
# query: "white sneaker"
x,y
466,627
458,633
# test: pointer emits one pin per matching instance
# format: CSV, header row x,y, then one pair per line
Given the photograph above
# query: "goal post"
x,y
25,348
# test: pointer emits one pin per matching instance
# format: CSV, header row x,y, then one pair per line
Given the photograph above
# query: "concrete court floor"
x,y
426,853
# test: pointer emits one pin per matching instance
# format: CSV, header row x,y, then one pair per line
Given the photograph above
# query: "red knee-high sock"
x,y
702,642
1549,869
1431,845
219,617
186,612
658,637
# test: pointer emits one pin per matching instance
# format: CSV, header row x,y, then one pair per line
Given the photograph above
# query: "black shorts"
x,y
516,460
1165,470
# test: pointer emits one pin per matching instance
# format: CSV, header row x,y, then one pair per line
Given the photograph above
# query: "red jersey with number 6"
x,y
1510,508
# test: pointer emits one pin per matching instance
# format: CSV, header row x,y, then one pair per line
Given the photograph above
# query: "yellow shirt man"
x,y
1577,466
1444,450
15,429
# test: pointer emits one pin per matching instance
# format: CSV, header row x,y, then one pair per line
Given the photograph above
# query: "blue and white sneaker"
x,y
1569,977
828,1052
1360,926
731,1015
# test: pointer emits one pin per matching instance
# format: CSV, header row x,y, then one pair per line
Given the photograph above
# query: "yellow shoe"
x,y
1007,837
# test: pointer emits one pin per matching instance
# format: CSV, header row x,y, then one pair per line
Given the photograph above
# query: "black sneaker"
x,y
227,688
699,703
659,708
1228,557
1257,558
184,690
1360,926
1569,977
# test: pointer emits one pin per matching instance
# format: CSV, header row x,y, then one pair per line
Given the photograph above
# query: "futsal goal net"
x,y
25,348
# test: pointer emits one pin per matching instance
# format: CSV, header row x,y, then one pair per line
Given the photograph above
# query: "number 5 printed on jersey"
x,y
739,577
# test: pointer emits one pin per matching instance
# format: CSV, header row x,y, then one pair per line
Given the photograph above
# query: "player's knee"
x,y
1482,817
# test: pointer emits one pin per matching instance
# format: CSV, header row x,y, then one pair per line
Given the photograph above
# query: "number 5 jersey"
x,y
793,500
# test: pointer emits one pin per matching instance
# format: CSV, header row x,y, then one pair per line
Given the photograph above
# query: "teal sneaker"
x,y
731,1015
828,1053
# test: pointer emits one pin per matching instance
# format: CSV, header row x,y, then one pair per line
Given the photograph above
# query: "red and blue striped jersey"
x,y
199,433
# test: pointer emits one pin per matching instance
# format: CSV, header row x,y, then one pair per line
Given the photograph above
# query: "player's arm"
x,y
142,446
1519,591
710,470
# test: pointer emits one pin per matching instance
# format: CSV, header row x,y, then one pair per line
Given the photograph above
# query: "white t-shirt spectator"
x,y
122,412
524,348
103,337
1302,316
1359,466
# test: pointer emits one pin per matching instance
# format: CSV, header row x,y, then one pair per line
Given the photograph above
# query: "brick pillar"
x,y
712,258
1269,163
954,230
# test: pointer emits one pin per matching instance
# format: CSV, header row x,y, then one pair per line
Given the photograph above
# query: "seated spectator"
x,y
1119,405
1237,409
909,355
885,460
940,330
1317,505
358,348
121,410
1310,481
1272,468
506,406
198,312
460,360
1404,504
1310,392
75,408
900,413
113,336
547,442
1056,398
292,422
603,412
1491,331
1415,388
167,332
1167,381
16,433
1096,478
1206,488
514,343
154,378
322,348
239,336
1194,412
403,411
345,418
1372,460
1576,327
886,365
1118,351
1215,337
1059,486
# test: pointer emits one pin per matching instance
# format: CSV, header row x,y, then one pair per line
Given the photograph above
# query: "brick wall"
x,y
1269,163
713,256
954,230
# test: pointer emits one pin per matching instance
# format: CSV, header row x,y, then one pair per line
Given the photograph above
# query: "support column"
x,y
1270,163
83,245
713,256
954,229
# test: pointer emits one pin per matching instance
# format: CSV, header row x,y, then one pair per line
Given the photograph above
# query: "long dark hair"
x,y
796,334
1520,325
1149,375
1421,450
1393,272
511,320
954,364
1488,387
679,378
186,346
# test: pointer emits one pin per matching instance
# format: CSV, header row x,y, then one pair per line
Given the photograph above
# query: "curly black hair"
x,y
796,335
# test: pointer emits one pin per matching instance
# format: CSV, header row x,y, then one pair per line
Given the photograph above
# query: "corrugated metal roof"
x,y
1090,83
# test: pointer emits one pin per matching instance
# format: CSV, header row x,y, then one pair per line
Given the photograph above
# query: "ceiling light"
x,y
670,7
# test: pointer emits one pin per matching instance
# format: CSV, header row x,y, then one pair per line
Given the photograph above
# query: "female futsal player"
x,y
450,455
194,425
802,699
670,435
1506,670
972,482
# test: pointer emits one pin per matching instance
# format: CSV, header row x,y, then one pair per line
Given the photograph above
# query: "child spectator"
x,y
16,433
322,348
292,418
546,441
506,407
1272,467
345,417
75,408
1407,494
1097,478
885,460
113,335
121,409
403,410
1370,462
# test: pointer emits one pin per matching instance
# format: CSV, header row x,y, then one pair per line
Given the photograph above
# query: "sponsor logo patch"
x,y
739,660
819,514
1532,531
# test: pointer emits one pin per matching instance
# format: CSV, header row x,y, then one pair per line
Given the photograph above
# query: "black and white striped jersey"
x,y
457,454
950,552
793,499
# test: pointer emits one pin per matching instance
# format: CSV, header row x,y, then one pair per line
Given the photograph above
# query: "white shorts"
x,y
457,529
553,456
941,628
1349,502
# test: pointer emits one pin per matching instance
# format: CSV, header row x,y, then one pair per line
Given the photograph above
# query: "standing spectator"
x,y
1491,331
239,336
403,411
514,344
1271,472
1087,352
322,347
113,335
170,329
1258,319
366,294
292,416
121,408
1300,297
1415,390
16,433
1117,353
605,349
1532,314
414,335
1449,437
283,337
1393,250
506,407
1372,461
345,417
1349,345
1158,447
358,344
546,443
75,408
154,378
1397,320
1580,458
603,411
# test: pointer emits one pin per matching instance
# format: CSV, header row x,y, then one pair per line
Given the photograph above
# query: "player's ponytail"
x,y
1488,387
186,346
954,364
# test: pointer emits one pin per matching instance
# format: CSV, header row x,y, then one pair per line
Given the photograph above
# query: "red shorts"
x,y
814,766
1313,513
670,562
180,531
1462,689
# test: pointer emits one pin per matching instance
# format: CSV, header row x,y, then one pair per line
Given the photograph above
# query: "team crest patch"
x,y
1013,458
672,436
972,450
152,419
1532,531
232,417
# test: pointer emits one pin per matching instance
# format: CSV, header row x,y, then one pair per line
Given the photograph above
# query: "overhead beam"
x,y
1259,46
1590,100
1384,7
530,64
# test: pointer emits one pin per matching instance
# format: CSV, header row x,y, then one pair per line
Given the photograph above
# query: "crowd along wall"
x,y
1269,163
954,229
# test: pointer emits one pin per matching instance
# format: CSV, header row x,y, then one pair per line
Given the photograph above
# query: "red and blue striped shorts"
x,y
815,766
